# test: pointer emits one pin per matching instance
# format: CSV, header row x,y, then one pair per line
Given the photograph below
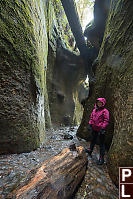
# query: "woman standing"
x,y
97,124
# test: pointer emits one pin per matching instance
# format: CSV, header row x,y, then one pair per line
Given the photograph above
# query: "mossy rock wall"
x,y
114,81
29,33
23,60
64,108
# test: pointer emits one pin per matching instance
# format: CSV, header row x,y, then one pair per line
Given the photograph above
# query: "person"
x,y
97,124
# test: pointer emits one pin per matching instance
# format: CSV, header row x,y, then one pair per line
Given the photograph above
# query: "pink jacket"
x,y
99,116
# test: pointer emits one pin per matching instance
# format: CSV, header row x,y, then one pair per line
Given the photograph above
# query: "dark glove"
x,y
90,127
102,131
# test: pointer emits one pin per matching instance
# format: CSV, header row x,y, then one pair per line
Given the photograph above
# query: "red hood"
x,y
103,100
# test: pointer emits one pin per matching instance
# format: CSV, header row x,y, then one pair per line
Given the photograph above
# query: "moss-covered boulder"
x,y
114,81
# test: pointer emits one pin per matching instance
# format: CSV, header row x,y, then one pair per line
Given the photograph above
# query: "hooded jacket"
x,y
100,116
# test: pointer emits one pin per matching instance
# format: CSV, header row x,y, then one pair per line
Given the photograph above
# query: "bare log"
x,y
57,178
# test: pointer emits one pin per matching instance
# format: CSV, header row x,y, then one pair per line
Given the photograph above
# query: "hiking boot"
x,y
100,161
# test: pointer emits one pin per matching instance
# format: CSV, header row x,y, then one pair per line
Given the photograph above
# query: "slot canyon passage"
x,y
56,58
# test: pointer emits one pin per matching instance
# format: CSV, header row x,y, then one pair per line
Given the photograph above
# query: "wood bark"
x,y
57,178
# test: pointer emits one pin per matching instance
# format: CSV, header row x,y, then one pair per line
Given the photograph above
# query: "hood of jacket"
x,y
103,100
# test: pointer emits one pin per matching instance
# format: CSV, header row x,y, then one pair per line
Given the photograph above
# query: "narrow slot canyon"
x,y
59,59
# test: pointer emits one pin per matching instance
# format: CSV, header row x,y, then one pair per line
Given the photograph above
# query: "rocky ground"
x,y
96,184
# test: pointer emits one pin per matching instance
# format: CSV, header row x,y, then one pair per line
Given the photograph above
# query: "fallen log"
x,y
57,178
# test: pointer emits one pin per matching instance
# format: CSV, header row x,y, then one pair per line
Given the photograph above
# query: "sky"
x,y
87,12
88,17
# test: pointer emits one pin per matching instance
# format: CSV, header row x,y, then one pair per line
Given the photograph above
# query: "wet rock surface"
x,y
97,183
15,167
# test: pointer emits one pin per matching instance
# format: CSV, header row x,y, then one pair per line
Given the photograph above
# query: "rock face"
x,y
94,31
23,50
57,178
29,38
26,29
65,70
114,81
66,74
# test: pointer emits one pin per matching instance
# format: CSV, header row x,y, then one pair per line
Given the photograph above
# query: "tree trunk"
x,y
57,178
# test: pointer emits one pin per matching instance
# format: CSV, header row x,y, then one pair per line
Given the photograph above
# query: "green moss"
x,y
62,24
25,28
17,38
23,47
